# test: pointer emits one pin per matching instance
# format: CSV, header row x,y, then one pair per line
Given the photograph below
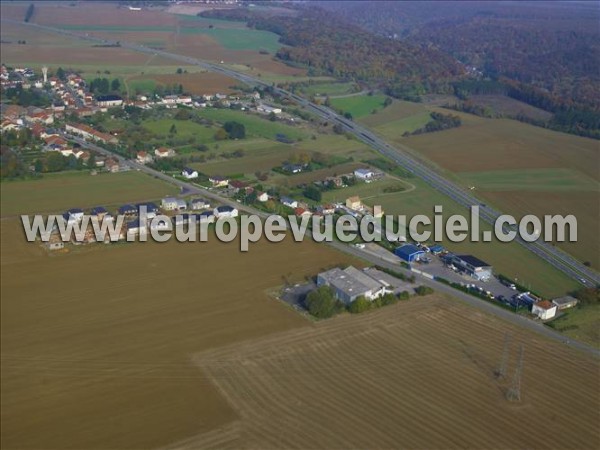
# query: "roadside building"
x,y
354,203
225,211
565,302
108,101
218,181
199,203
127,210
409,253
473,266
169,203
545,310
189,173
289,202
143,157
351,283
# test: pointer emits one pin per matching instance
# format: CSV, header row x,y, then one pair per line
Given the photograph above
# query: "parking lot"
x,y
438,269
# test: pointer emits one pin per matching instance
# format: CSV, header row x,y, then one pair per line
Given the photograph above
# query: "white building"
x,y
189,173
225,211
351,283
364,174
545,310
169,203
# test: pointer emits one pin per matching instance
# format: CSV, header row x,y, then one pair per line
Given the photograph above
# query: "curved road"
x,y
556,257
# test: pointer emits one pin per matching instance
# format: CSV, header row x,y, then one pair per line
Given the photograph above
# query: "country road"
x,y
399,154
482,305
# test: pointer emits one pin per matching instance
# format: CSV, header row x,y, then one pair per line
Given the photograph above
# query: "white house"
x,y
289,202
262,197
199,203
189,173
225,211
266,109
545,310
218,181
164,152
364,174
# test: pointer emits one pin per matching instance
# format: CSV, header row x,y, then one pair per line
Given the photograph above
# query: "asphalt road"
x,y
554,256
475,302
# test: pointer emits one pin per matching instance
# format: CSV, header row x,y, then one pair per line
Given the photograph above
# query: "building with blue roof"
x,y
409,253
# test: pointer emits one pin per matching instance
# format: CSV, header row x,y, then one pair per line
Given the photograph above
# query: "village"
x,y
72,98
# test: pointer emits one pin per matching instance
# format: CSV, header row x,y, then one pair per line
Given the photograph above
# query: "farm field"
x,y
429,360
331,89
516,167
579,323
108,349
359,105
58,192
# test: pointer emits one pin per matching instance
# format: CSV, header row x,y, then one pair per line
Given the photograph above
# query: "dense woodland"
x,y
329,47
546,55
551,46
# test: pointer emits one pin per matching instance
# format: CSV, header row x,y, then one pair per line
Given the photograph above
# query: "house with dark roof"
x,y
127,210
225,211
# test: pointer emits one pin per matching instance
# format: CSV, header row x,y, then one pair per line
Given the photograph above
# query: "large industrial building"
x,y
473,266
351,283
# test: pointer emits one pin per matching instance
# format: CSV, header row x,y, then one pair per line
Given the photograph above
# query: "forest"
x,y
325,45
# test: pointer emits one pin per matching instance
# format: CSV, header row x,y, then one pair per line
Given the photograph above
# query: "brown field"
x,y
504,105
195,83
415,375
486,144
100,14
97,344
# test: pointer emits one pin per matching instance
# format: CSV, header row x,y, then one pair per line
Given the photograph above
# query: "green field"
x,y
555,180
58,192
255,126
330,89
359,105
581,323
185,129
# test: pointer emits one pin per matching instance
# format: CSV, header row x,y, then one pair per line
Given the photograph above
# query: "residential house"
x,y
189,173
225,211
218,181
164,152
289,202
143,157
206,217
112,165
169,203
99,212
354,203
88,132
127,210
199,203
364,174
262,197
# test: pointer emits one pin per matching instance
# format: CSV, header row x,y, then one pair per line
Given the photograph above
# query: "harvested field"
x,y
195,83
382,379
55,193
501,144
100,14
97,343
507,106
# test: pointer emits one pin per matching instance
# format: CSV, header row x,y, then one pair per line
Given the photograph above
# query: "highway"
x,y
399,154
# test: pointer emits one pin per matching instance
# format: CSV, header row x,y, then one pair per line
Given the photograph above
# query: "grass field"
x,y
185,129
380,380
55,193
581,323
255,126
97,344
331,89
359,105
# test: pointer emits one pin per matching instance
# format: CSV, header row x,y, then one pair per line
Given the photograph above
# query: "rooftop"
x,y
473,261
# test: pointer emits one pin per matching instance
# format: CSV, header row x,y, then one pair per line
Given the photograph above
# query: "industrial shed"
x,y
409,253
